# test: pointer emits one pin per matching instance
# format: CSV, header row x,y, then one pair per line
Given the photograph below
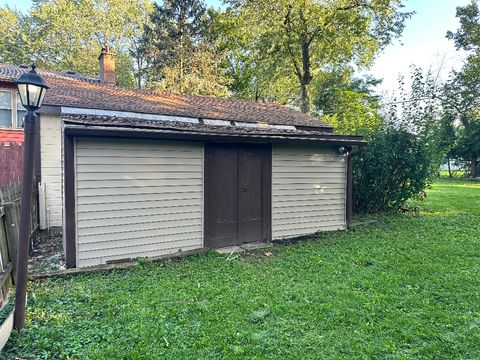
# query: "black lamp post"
x,y
32,89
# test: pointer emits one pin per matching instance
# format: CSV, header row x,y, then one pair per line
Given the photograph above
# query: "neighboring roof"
x,y
74,90
10,73
8,135
113,124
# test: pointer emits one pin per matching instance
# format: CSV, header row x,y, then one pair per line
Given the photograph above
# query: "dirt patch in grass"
x,y
47,255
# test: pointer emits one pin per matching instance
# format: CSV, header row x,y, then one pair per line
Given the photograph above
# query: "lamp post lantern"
x,y
32,89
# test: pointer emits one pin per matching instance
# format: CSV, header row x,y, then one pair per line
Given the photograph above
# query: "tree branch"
x,y
288,30
356,4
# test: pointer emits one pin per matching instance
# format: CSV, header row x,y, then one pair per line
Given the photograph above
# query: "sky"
x,y
423,41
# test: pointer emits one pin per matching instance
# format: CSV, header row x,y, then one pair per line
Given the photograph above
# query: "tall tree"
x,y
68,34
296,39
13,41
461,95
181,56
461,99
467,37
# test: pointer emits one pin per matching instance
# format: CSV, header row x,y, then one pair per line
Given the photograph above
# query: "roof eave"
x,y
128,132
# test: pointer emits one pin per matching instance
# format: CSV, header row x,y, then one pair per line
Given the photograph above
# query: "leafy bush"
x,y
396,165
7,309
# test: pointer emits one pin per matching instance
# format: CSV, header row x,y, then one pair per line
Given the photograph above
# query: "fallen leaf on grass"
x,y
268,254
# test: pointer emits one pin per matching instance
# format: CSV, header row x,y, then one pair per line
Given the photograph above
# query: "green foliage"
x,y
467,37
260,50
181,57
460,93
68,34
394,168
290,42
400,288
7,309
245,79
348,104
405,151
13,40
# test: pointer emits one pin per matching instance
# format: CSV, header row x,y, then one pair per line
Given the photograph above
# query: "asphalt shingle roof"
x,y
74,90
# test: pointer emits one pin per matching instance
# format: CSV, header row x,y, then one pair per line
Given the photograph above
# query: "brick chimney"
x,y
107,66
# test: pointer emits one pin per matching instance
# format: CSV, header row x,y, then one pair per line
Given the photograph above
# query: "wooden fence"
x,y
11,155
9,226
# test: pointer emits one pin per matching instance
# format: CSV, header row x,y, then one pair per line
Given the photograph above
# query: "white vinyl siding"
x,y
137,198
308,190
51,167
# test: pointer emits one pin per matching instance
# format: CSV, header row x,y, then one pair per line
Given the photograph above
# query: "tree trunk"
x,y
307,74
474,167
449,168
303,69
305,97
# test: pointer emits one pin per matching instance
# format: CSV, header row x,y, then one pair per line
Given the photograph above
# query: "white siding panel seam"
x,y
171,243
141,236
142,227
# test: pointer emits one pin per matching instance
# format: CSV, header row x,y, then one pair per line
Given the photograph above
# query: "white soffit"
x,y
127,114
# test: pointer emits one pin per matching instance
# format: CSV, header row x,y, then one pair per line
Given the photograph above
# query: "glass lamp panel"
x,y
22,90
34,93
42,95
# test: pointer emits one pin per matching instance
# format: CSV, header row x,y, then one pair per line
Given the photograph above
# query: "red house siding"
x,y
11,154
7,136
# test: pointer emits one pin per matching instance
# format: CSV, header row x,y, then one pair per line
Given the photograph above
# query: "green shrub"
x,y
396,166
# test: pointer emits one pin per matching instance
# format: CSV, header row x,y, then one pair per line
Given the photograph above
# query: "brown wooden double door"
x,y
237,193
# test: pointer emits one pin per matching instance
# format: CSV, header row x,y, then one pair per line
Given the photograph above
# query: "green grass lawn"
x,y
406,287
455,174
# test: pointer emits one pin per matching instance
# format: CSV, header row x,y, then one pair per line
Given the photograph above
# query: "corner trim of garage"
x,y
69,188
267,194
